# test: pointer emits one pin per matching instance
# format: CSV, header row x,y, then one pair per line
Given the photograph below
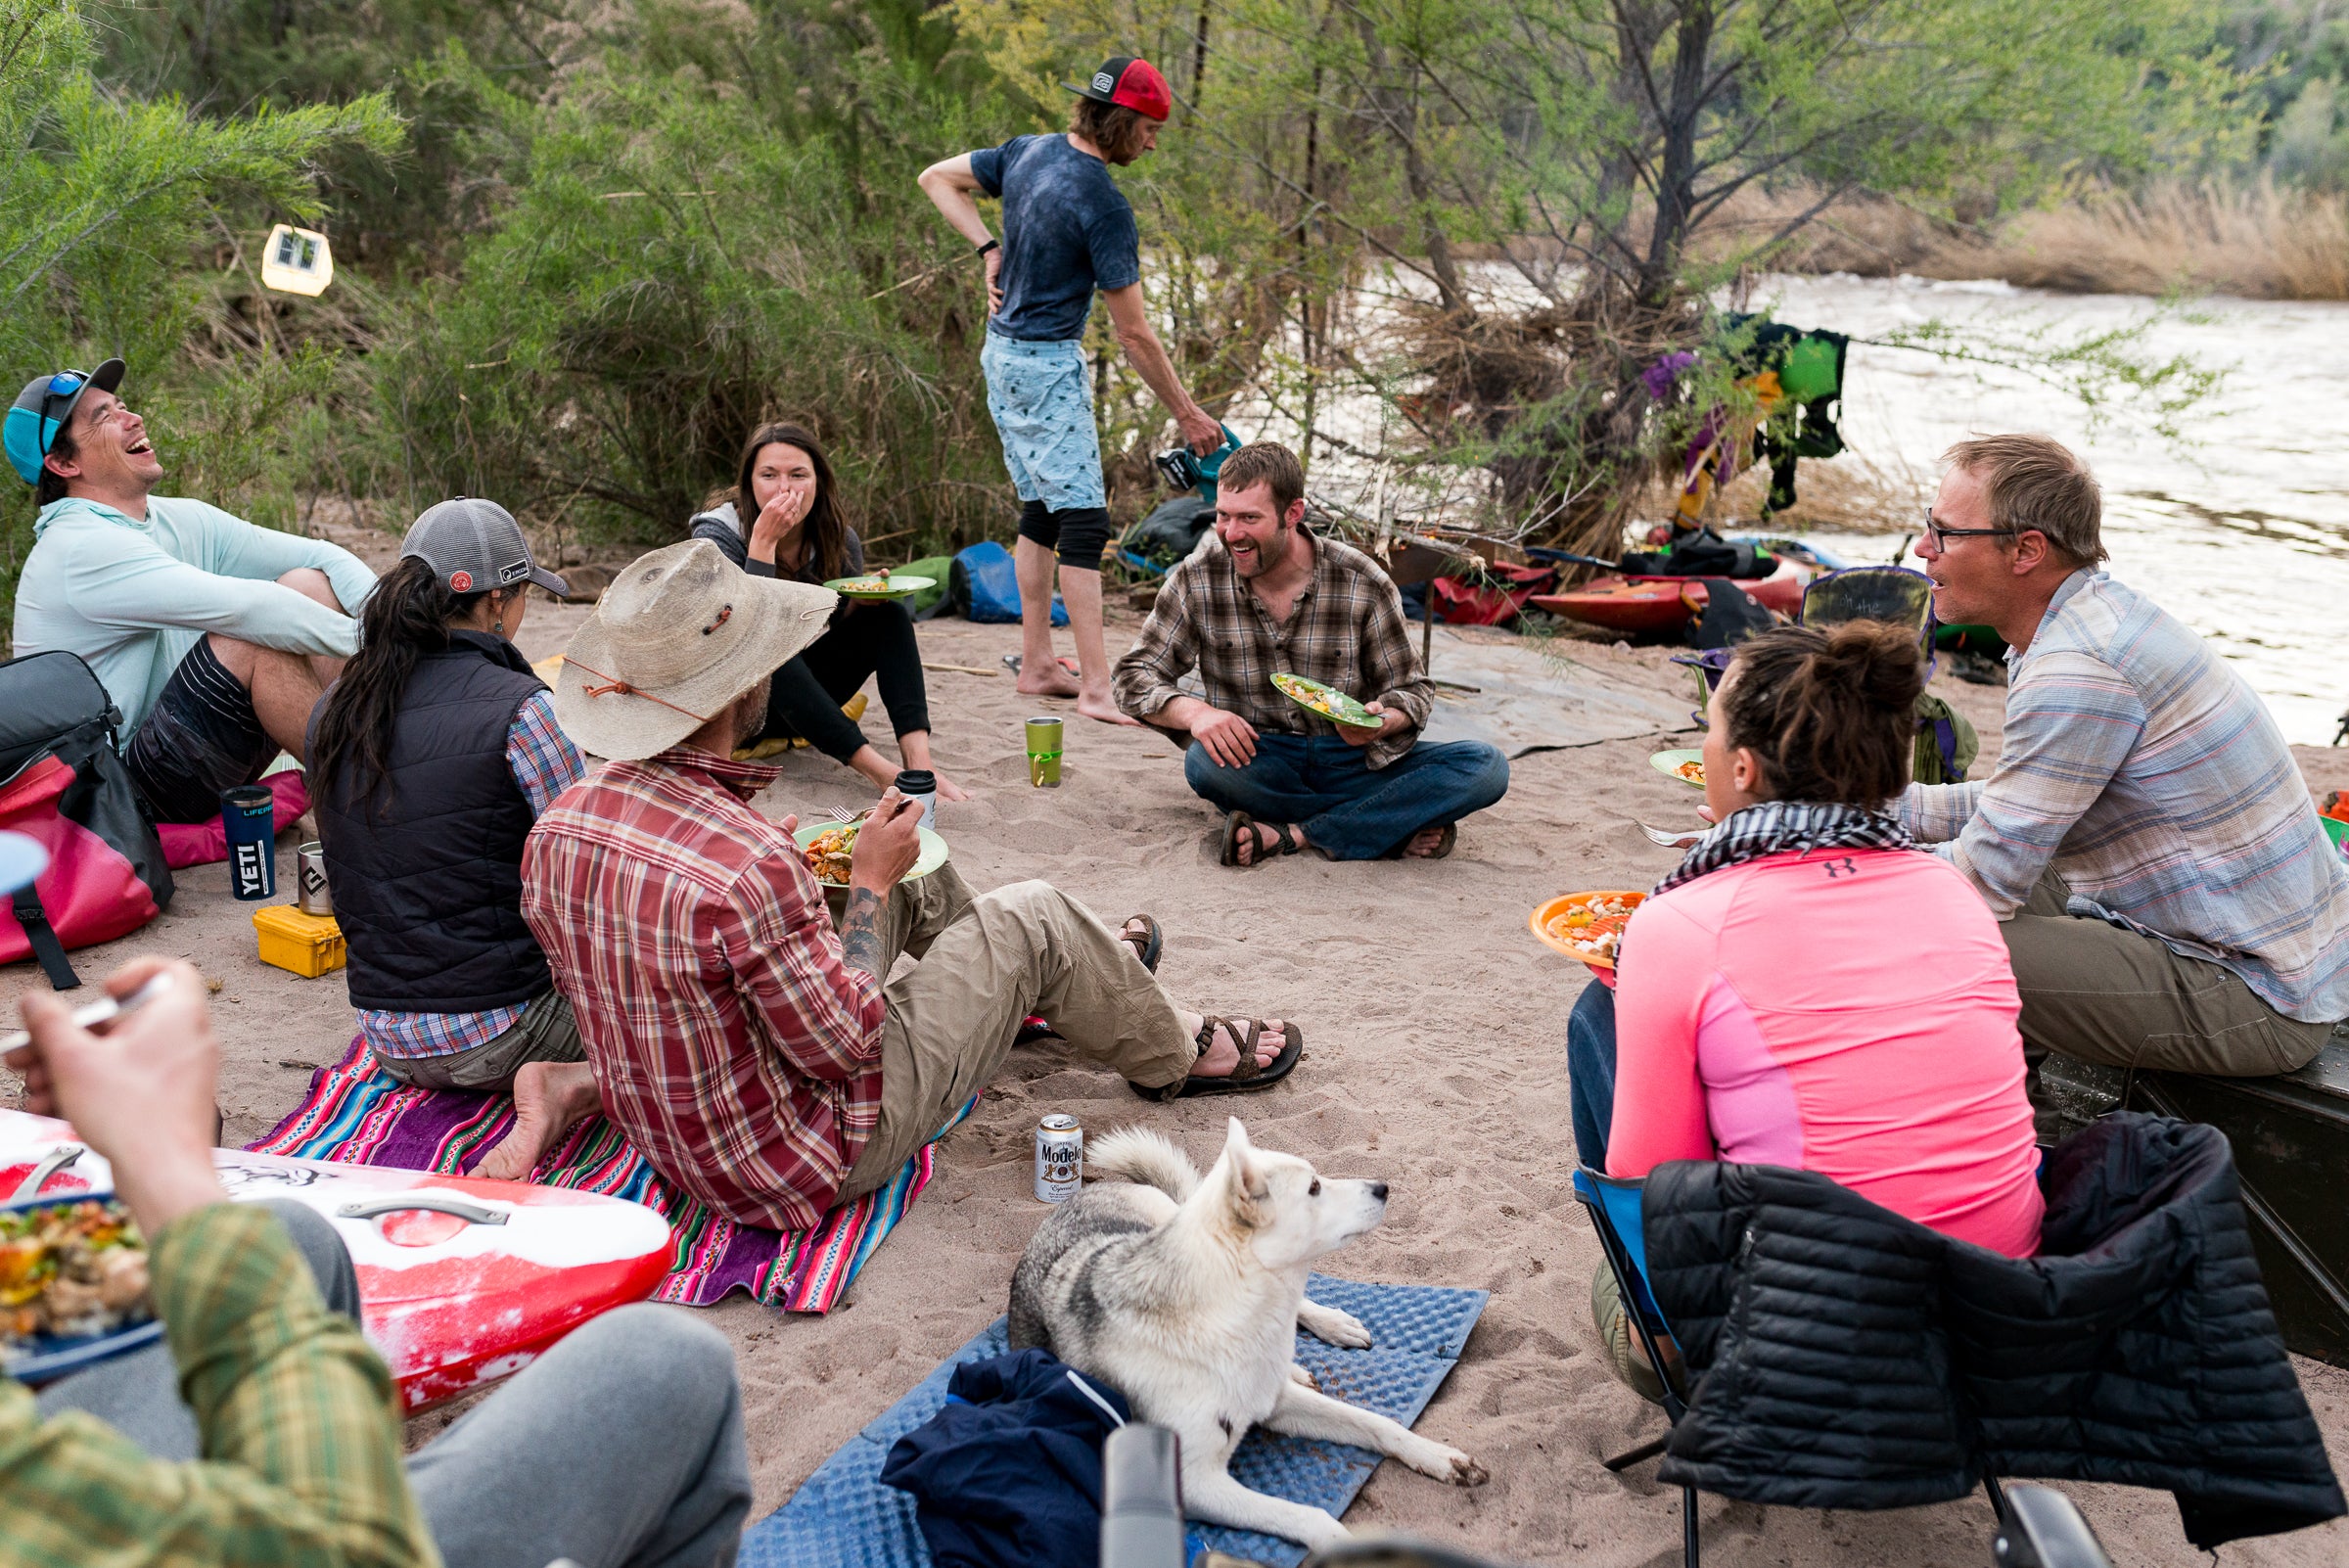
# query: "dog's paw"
x,y
1322,1532
1446,1464
1303,1378
1333,1325
1467,1472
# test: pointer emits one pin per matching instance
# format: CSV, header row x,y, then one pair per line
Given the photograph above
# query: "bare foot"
x,y
1265,842
1102,706
548,1097
1224,1051
1424,843
1050,681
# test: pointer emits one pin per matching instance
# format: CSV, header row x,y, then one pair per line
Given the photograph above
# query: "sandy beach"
x,y
1435,1060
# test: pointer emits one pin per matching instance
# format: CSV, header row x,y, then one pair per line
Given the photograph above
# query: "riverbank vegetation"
x,y
583,245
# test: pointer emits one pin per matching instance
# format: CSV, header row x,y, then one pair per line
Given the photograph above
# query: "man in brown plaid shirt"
x,y
1270,596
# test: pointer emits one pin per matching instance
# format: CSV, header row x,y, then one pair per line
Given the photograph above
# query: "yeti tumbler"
x,y
249,814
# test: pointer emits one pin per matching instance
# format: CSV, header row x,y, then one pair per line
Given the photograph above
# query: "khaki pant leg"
x,y
914,914
2100,993
1022,950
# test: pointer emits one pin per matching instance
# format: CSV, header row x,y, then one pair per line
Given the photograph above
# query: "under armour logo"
x,y
1841,866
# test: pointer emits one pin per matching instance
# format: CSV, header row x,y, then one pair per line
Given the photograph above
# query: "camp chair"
x,y
1904,596
1614,1205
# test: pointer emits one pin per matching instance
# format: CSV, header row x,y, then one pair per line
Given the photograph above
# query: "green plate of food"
x,y
1328,701
1687,766
881,585
73,1286
827,846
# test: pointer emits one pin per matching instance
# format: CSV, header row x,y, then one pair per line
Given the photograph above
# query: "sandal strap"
x,y
1243,1032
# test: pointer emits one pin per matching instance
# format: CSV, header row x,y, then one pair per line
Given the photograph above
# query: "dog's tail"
x,y
1135,1154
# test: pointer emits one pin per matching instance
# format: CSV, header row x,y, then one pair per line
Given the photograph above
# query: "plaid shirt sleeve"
x,y
777,935
1166,651
540,757
298,1418
1391,669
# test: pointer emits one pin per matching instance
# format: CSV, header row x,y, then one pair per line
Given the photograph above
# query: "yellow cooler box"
x,y
306,943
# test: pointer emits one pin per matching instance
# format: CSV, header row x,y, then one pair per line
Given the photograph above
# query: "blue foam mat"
x,y
843,1517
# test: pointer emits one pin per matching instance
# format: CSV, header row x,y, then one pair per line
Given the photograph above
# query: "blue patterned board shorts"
x,y
1041,396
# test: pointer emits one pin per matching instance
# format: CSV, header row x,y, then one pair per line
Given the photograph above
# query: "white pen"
x,y
92,1014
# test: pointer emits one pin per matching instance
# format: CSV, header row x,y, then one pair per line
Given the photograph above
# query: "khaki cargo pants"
x,y
986,963
2096,993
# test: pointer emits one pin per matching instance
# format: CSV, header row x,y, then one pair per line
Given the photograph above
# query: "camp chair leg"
x,y
1997,1495
1688,1548
1630,1456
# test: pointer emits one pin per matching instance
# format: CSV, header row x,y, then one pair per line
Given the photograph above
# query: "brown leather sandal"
x,y
1248,1076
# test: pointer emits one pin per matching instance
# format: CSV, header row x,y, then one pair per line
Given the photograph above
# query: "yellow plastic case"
x,y
305,943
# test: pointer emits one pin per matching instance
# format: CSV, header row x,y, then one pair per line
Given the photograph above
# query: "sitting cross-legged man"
x,y
1269,596
763,1061
213,635
2147,842
264,1432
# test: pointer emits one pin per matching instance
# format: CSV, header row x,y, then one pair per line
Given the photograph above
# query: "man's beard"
x,y
1267,555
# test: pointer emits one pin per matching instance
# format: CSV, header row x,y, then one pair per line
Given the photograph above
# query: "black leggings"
x,y
868,639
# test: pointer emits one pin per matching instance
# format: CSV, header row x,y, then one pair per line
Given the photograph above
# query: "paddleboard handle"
x,y
52,1163
374,1208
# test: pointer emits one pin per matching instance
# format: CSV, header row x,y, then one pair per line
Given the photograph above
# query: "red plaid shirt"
x,y
731,1044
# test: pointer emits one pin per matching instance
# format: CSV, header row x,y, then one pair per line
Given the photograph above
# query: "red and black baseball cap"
x,y
1131,83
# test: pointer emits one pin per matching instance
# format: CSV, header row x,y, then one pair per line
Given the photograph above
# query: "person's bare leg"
x,y
549,1097
1041,674
1082,592
284,686
1224,1051
915,747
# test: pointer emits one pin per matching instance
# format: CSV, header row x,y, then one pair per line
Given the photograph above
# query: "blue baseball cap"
x,y
42,409
21,860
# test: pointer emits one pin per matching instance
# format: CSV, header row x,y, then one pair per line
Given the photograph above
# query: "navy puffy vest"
x,y
429,891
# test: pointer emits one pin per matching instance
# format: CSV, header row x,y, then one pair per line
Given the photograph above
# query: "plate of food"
x,y
1328,701
72,1285
1687,766
881,585
827,846
1586,927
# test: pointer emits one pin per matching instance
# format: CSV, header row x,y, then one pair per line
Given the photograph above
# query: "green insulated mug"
x,y
1043,753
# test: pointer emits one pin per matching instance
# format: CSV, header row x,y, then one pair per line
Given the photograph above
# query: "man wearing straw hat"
x,y
760,1059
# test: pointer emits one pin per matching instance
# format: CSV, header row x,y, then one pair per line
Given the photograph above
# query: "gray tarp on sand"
x,y
1538,697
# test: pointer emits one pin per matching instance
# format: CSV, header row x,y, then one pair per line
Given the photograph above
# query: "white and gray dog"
x,y
1186,1292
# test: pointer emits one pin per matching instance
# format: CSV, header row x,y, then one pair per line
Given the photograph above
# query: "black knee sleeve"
x,y
1084,535
1036,522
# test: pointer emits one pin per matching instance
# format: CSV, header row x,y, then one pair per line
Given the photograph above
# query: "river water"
x,y
2242,530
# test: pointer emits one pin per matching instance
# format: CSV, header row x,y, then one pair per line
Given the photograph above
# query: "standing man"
x,y
214,636
1067,231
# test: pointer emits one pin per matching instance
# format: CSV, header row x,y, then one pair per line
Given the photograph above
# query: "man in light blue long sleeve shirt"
x,y
214,636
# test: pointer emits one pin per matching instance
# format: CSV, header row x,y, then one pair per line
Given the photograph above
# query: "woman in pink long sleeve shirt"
x,y
1810,990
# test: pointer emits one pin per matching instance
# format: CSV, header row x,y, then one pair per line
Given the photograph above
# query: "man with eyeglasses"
x,y
2168,897
214,636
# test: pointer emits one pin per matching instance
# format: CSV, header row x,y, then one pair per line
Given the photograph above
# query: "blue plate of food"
x,y
73,1286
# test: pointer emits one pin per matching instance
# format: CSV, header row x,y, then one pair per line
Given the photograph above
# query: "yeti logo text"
x,y
1104,82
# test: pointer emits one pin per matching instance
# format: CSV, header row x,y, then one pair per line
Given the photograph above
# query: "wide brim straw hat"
x,y
681,633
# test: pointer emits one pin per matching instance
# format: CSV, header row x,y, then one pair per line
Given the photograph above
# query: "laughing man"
x,y
214,636
2168,896
1270,596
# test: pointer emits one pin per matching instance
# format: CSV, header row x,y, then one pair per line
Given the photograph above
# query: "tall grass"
x,y
2256,240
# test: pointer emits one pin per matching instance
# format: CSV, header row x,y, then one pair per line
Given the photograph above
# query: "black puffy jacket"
x,y
1848,1357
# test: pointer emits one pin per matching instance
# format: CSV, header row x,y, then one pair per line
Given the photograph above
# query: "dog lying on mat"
x,y
1187,1293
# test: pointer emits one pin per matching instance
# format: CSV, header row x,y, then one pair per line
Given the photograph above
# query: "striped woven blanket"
x,y
358,1114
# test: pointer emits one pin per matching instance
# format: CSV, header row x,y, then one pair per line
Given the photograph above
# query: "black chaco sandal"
x,y
1147,944
1245,1079
1237,823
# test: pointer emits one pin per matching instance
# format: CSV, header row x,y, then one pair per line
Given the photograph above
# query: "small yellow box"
x,y
305,943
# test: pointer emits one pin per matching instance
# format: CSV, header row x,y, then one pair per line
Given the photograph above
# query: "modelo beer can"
x,y
1059,1159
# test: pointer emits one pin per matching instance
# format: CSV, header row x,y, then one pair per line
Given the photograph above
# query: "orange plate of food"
x,y
1606,910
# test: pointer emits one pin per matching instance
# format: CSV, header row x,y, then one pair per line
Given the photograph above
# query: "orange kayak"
x,y
1666,604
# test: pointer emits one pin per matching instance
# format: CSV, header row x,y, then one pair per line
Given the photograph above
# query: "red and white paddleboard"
x,y
462,1281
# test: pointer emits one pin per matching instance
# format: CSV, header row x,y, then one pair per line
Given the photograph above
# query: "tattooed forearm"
x,y
860,933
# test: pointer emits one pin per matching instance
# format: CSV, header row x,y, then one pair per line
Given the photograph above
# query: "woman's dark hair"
x,y
50,485
1831,713
1111,127
408,615
826,525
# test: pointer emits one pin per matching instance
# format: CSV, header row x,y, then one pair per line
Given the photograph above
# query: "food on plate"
x,y
1693,772
1594,928
69,1270
1330,704
827,853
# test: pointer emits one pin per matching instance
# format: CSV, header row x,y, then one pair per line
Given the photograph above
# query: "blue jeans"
x,y
1591,1072
1321,784
1041,397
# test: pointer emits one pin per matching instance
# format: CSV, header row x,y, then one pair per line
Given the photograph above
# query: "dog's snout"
x,y
1378,1190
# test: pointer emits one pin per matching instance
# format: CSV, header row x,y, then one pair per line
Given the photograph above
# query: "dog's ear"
x,y
1248,1184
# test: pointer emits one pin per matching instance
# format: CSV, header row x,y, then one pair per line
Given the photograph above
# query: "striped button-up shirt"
x,y
302,1440
731,1044
2153,780
1346,630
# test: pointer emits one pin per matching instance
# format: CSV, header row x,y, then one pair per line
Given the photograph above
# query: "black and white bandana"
x,y
1779,827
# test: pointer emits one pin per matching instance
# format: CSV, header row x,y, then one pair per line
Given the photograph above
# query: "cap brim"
x,y
22,861
1087,91
629,726
550,582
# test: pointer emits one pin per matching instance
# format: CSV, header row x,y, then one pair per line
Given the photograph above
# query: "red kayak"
x,y
1666,604
461,1281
